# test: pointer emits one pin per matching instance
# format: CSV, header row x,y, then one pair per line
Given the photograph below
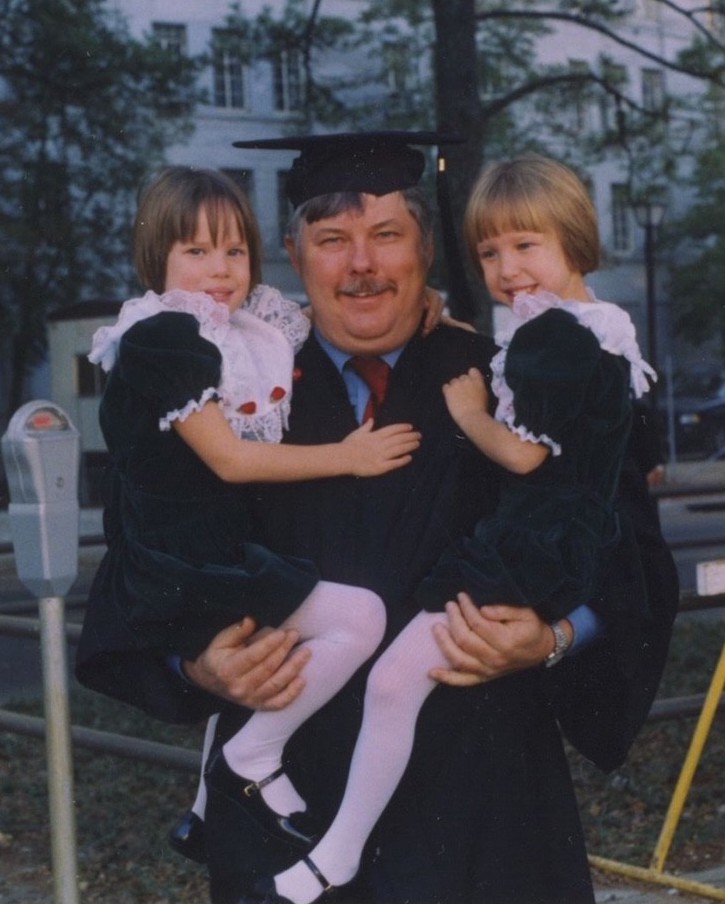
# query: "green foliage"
x,y
697,238
86,110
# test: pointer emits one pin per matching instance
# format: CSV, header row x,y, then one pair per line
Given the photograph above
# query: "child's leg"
x,y
342,626
397,688
199,805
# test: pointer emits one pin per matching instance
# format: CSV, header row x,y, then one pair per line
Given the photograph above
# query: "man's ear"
x,y
291,247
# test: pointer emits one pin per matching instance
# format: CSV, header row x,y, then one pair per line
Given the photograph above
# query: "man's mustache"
x,y
366,287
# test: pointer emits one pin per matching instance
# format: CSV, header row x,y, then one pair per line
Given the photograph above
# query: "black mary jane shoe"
x,y
187,837
265,891
297,829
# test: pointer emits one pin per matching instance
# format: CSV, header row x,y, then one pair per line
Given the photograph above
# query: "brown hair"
x,y
168,212
534,194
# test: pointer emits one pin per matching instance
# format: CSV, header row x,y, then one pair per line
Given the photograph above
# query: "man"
x,y
486,810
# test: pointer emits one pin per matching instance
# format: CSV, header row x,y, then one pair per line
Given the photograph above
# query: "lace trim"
x,y
256,343
181,414
269,305
612,327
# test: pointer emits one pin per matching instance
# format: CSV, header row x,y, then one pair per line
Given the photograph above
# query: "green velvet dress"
x,y
182,562
565,376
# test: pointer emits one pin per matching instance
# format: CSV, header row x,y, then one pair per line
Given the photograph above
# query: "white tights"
x,y
342,626
397,688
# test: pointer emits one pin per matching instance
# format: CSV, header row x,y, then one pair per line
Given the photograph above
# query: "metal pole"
x,y
692,760
58,743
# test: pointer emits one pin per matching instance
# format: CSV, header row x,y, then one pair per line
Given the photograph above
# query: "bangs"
x,y
220,213
503,213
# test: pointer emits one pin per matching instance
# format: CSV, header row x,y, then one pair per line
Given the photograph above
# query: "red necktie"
x,y
376,373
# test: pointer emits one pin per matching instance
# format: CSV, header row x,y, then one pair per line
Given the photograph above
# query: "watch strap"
x,y
561,645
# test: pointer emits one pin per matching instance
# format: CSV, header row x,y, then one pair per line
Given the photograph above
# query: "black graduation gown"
x,y
486,810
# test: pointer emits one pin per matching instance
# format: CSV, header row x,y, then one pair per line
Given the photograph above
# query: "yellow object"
x,y
655,872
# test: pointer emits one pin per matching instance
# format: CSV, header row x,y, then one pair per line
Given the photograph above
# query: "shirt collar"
x,y
340,358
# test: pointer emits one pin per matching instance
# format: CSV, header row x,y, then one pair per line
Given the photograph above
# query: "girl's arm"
x,y
364,453
467,400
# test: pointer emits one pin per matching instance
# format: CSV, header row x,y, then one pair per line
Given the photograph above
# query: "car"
x,y
699,421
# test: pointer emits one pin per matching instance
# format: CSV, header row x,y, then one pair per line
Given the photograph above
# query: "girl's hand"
x,y
374,452
466,397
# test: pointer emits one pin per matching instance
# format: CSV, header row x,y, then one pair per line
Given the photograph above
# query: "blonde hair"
x,y
534,194
168,212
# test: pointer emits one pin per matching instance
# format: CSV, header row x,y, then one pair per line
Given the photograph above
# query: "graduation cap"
x,y
374,163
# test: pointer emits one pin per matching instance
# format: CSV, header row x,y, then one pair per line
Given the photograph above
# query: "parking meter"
x,y
41,451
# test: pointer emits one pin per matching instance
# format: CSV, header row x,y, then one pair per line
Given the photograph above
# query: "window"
x,y
288,81
716,17
621,218
580,104
653,89
229,70
652,10
616,76
170,36
395,61
90,378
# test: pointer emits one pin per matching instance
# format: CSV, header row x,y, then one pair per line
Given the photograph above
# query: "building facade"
x,y
261,96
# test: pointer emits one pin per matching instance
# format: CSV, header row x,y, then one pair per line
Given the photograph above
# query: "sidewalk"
x,y
620,890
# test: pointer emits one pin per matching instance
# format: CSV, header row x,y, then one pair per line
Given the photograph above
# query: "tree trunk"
x,y
459,111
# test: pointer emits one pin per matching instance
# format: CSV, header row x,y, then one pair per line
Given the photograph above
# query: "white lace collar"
x,y
257,345
610,324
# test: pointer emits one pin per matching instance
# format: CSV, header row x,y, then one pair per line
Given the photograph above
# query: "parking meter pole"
x,y
59,749
41,451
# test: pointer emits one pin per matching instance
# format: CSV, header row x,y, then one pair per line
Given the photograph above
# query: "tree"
x,y
297,33
698,240
488,80
85,111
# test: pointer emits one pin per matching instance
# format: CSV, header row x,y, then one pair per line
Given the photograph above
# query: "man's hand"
x,y
488,642
255,669
435,314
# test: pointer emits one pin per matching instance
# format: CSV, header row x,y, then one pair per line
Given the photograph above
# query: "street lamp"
x,y
649,215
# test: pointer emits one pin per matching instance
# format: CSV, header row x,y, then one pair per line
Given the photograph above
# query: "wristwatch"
x,y
561,645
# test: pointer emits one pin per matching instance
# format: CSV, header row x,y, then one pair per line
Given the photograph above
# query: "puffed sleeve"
x,y
166,361
549,363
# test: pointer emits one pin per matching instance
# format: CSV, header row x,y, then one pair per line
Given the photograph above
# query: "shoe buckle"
x,y
251,789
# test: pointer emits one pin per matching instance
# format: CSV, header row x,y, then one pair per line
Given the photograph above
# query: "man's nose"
x,y
362,258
